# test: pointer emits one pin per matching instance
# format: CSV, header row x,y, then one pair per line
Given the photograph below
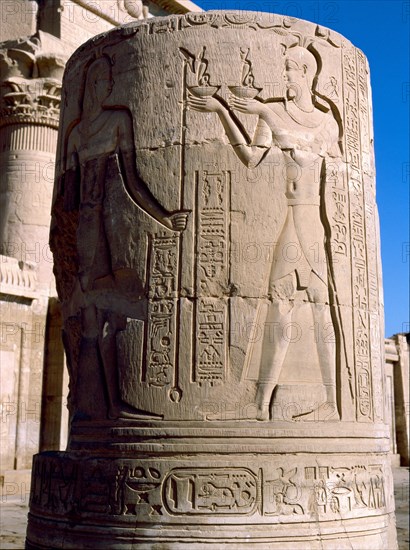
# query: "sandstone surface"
x,y
216,249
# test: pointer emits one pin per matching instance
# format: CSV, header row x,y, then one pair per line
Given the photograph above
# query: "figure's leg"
x,y
88,365
109,324
108,352
274,345
87,239
89,323
318,295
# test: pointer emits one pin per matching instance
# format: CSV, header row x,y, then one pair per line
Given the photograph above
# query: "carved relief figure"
x,y
103,140
307,133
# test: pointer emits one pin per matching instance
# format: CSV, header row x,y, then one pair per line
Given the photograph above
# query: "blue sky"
x,y
381,30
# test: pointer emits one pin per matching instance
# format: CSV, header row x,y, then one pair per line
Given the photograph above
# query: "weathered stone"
x,y
216,253
36,40
397,396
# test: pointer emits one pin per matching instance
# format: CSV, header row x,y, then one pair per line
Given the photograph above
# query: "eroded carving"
x,y
282,495
343,489
100,150
132,488
358,242
162,312
216,491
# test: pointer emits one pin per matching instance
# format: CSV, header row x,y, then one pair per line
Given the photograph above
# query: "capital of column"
x,y
30,85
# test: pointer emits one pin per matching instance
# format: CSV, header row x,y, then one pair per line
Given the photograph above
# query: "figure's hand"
x,y
203,104
177,221
245,105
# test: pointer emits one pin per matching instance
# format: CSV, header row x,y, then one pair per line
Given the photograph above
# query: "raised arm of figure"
x,y
271,124
250,152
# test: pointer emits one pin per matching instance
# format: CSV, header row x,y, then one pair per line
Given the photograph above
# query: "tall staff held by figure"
x,y
102,132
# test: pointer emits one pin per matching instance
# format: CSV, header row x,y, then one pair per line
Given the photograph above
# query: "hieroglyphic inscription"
x,y
377,376
212,231
358,247
335,178
212,275
344,489
327,490
371,223
217,491
244,20
369,198
164,26
161,329
211,343
132,488
282,495
97,487
362,76
372,241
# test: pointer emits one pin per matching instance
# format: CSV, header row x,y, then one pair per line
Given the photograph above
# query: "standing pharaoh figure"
x,y
308,135
104,135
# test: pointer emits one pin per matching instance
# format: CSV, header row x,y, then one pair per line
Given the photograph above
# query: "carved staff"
x,y
175,392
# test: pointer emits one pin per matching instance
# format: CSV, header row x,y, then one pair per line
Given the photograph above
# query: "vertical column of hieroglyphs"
x,y
371,223
212,275
340,217
360,301
161,332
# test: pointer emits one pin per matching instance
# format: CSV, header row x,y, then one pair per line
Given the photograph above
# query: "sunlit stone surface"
x,y
216,252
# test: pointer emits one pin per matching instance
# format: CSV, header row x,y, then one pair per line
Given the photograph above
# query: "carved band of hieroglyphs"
x,y
217,491
212,274
357,224
98,487
162,311
344,489
134,488
251,20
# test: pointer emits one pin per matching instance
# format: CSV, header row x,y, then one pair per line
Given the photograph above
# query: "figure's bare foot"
x,y
263,398
263,414
325,412
104,283
84,279
247,412
123,410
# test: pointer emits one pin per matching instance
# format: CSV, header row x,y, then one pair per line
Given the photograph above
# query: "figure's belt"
x,y
315,201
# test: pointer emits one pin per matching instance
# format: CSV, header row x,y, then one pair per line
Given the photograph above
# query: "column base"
x,y
294,501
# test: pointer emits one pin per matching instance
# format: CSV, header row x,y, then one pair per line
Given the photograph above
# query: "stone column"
x,y
401,389
29,111
397,369
216,250
30,106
